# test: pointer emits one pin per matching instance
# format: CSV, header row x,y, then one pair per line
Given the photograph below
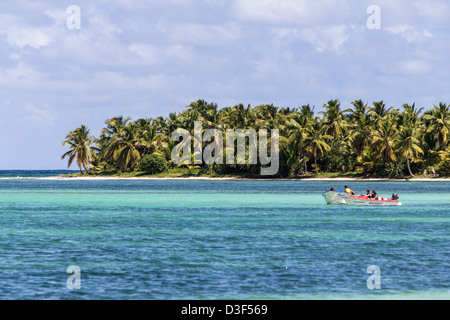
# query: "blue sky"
x,y
150,58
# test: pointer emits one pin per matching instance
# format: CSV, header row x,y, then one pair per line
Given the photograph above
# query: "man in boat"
x,y
349,191
368,194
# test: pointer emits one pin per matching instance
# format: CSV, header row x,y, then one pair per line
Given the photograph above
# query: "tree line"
x,y
370,140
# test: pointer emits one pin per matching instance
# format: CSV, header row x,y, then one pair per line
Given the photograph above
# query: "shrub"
x,y
153,164
393,170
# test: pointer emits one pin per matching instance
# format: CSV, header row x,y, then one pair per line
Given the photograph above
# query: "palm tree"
x,y
438,121
384,140
113,125
433,153
124,148
361,127
315,141
379,109
80,148
411,115
148,139
334,121
295,153
367,160
408,145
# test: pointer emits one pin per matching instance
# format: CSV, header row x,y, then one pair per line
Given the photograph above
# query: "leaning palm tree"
x,y
80,148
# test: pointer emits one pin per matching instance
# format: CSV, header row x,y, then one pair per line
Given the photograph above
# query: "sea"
x,y
215,240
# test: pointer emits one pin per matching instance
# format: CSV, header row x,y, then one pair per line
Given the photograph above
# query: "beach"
x,y
246,179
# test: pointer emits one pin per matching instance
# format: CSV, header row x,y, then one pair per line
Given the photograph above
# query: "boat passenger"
x,y
349,191
368,194
374,195
332,189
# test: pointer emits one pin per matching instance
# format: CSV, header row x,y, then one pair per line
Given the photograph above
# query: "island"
x,y
360,142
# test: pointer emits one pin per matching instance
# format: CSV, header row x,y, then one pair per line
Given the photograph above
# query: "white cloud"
x,y
416,67
155,82
193,33
21,74
179,53
39,116
433,10
23,36
147,54
110,79
299,12
410,33
95,43
20,35
15,56
326,38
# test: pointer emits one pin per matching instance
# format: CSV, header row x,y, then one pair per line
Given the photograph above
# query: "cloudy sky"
x,y
150,58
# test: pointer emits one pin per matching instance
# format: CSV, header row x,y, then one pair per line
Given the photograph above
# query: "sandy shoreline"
x,y
240,179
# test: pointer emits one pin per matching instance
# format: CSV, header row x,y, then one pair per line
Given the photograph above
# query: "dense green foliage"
x,y
372,140
153,164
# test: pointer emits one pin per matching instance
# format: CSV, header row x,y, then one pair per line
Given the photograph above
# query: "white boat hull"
x,y
357,201
334,198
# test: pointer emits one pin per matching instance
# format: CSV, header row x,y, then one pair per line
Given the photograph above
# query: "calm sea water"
x,y
220,240
32,173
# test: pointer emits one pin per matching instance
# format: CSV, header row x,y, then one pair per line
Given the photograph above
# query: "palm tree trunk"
x,y
409,168
315,163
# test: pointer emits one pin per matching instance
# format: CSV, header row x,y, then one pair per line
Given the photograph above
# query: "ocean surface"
x,y
177,239
32,173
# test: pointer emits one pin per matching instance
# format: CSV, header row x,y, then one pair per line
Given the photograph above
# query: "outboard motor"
x,y
395,196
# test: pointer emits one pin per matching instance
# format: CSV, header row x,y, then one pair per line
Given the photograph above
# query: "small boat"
x,y
365,201
343,198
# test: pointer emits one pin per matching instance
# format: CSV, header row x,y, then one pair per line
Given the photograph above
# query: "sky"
x,y
61,67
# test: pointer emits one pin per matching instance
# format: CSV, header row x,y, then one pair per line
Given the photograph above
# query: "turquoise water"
x,y
220,240
4,174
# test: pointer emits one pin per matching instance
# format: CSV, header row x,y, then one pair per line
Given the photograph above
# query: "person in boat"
x,y
374,195
349,191
368,194
332,189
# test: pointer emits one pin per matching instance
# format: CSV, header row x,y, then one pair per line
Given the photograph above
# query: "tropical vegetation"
x,y
363,140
